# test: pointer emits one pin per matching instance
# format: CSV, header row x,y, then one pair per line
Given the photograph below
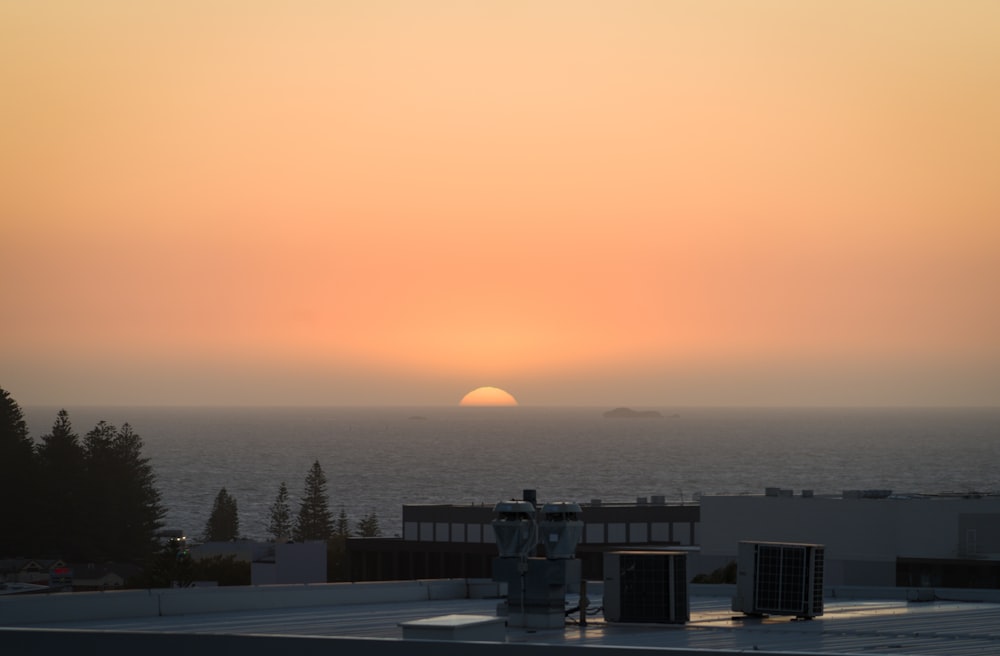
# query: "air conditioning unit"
x,y
779,578
646,586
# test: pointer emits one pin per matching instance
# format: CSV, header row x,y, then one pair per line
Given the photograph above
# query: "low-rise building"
x,y
290,562
457,541
872,537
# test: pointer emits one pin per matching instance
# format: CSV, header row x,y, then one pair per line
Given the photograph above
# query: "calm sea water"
x,y
377,459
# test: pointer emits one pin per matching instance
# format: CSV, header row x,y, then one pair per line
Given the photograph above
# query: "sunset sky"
x,y
647,203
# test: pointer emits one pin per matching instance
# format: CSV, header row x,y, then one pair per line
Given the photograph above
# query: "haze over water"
x,y
377,459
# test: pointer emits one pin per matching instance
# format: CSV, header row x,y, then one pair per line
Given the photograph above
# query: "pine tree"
x,y
314,521
18,482
336,549
342,528
61,463
224,522
14,438
98,494
143,513
279,526
368,526
119,491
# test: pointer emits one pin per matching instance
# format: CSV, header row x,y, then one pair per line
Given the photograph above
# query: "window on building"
x,y
594,533
659,532
638,532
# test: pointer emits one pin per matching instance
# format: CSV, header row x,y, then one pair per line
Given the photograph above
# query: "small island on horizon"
x,y
629,413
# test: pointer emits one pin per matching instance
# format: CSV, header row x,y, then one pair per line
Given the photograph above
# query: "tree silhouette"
x,y
94,501
125,510
224,522
279,525
100,475
18,482
342,528
61,460
142,513
368,526
314,521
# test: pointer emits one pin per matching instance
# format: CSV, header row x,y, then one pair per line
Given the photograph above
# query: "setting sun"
x,y
493,396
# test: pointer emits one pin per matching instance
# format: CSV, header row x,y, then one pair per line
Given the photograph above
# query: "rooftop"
x,y
848,626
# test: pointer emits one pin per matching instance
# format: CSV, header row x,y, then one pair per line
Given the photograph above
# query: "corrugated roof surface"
x,y
848,627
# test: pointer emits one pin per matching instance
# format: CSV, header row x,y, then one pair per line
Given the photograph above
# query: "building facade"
x,y
457,541
872,537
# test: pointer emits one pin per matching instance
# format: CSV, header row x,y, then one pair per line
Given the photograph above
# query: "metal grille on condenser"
x,y
646,588
781,578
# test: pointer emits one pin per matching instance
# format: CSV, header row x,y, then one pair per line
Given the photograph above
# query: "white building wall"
x,y
294,562
302,562
863,537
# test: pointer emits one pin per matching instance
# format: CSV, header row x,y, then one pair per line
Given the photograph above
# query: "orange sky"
x,y
649,203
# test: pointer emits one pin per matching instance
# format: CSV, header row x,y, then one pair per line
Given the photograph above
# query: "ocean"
x,y
378,458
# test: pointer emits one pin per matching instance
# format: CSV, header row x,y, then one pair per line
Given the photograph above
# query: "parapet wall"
x,y
56,641
27,610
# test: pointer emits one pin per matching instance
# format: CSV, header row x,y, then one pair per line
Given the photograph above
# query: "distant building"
x,y
56,574
872,537
272,562
36,571
290,562
456,541
102,576
242,550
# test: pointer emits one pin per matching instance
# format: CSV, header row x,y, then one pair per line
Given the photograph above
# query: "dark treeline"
x,y
87,500
93,499
313,521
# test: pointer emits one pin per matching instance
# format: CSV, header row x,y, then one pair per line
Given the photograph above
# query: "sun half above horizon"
x,y
488,396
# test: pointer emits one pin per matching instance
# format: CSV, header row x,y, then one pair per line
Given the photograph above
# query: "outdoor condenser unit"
x,y
646,586
779,578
